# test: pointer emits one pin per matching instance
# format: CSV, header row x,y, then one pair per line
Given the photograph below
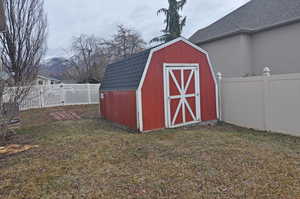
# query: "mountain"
x,y
54,67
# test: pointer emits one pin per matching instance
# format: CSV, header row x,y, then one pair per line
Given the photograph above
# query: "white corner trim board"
x,y
139,90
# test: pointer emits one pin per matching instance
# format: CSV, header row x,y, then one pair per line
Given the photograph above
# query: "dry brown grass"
x,y
93,159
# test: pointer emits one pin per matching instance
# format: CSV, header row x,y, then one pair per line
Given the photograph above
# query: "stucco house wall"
x,y
231,56
278,49
247,55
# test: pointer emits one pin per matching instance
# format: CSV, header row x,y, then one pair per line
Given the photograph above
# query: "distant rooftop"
x,y
255,16
46,76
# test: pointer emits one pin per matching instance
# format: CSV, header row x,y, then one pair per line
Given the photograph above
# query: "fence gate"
x,y
182,95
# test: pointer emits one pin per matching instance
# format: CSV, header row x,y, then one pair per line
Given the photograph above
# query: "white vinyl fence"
x,y
61,95
270,103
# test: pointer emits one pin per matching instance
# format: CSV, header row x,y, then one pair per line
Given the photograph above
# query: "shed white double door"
x,y
182,94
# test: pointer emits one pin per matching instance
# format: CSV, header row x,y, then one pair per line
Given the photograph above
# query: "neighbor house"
x,y
262,33
44,80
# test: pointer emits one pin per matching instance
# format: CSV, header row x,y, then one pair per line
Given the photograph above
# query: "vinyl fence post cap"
x,y
267,71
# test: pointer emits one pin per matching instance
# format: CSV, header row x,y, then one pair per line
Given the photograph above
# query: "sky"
x,y
71,18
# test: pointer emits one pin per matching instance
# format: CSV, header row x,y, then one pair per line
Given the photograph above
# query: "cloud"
x,y
74,17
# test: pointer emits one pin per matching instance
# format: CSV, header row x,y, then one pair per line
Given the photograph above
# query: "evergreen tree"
x,y
174,21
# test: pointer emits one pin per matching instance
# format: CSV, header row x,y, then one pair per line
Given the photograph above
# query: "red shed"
x,y
167,86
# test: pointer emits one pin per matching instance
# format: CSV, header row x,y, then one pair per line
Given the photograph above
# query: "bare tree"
x,y
24,42
88,60
22,47
90,54
126,42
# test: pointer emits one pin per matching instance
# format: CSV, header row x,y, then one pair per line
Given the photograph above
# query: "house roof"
x,y
255,16
2,17
47,77
127,73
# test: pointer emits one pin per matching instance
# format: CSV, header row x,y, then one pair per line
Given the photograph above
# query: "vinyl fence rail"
x,y
61,95
269,102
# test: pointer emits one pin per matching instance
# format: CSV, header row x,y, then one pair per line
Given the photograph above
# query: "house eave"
x,y
249,31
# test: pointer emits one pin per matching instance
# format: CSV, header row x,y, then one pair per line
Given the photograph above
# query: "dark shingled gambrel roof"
x,y
127,73
255,16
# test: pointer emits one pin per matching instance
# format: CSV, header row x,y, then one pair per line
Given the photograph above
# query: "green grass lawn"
x,y
90,158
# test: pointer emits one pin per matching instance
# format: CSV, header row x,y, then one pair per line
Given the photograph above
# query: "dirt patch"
x,y
40,117
65,115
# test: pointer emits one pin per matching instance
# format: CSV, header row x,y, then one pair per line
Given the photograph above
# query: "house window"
x,y
40,82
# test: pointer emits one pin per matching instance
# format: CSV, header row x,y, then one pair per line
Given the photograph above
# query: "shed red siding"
x,y
153,87
119,107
